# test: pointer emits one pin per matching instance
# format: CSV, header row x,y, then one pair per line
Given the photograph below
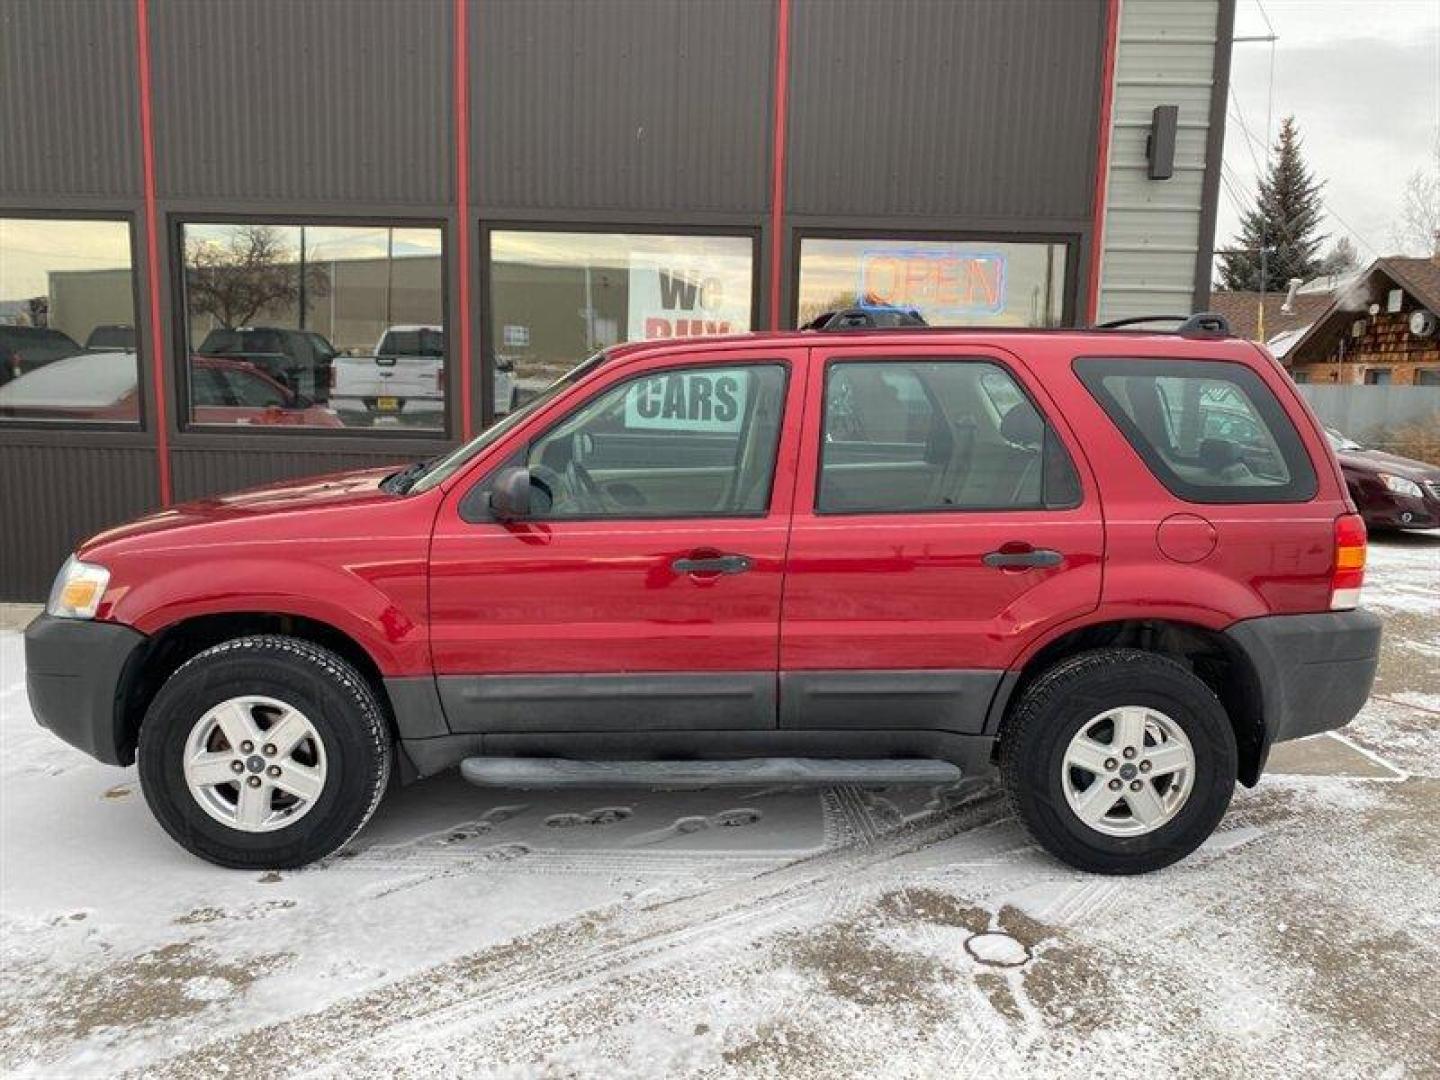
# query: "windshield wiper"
x,y
399,483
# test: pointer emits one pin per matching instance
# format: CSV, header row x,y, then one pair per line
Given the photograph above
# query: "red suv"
x,y
881,554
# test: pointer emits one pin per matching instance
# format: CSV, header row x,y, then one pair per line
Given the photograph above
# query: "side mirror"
x,y
510,494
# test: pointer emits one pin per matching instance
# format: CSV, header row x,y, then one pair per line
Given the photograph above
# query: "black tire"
x,y
340,706
1069,696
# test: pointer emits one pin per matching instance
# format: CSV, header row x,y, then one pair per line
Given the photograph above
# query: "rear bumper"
x,y
75,674
370,403
1314,671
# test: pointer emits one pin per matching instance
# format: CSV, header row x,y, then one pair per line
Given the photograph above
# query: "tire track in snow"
x,y
442,1003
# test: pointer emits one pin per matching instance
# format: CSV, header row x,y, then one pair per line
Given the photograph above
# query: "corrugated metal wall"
x,y
642,105
297,102
916,107
68,103
52,496
68,97
207,471
1157,238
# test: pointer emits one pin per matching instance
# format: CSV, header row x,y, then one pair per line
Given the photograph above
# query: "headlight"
x,y
1400,486
77,590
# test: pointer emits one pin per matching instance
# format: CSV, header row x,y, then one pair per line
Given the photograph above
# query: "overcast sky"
x,y
1362,78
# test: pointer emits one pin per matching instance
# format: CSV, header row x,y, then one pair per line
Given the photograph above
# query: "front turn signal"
x,y
78,590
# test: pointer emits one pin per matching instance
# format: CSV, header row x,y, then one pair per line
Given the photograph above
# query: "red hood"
x,y
288,498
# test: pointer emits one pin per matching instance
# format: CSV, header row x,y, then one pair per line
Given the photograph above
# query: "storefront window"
x,y
949,283
315,325
558,297
67,321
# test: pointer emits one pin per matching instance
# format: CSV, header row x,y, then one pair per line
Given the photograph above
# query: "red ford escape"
x,y
864,557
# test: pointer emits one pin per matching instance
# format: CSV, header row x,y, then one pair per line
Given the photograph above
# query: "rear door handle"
x,y
1011,560
716,564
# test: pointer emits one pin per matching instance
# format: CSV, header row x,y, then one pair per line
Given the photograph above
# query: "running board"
x,y
520,772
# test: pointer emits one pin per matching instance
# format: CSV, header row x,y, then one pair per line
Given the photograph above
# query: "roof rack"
x,y
1204,324
865,318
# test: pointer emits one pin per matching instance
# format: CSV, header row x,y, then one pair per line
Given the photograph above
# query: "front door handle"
x,y
1020,560
714,564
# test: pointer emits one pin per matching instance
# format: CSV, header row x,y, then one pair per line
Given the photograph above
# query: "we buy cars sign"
x,y
684,295
708,401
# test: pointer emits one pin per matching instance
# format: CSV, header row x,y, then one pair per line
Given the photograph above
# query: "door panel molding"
x,y
736,700
935,700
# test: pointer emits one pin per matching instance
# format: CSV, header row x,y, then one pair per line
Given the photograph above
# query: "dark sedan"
x,y
1391,492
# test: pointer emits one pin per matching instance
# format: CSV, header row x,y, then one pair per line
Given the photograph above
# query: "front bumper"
x,y
1387,509
1314,671
76,673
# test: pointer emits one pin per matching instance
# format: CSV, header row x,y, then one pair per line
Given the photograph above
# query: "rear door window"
x,y
254,391
1210,431
208,388
908,436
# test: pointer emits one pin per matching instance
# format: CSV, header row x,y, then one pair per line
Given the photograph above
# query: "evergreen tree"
x,y
1285,220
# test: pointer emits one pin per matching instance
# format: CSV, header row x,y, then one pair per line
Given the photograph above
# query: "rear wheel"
x,y
264,752
1119,761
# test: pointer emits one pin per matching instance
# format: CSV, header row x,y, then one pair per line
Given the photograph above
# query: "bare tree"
x,y
251,270
1417,230
1341,258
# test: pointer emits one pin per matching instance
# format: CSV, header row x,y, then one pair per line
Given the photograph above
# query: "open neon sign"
x,y
940,284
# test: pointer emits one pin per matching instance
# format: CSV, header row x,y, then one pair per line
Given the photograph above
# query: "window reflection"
x,y
948,283
67,321
315,325
559,296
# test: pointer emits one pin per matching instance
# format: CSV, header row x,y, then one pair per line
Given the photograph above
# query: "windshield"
x,y
444,468
1341,442
240,342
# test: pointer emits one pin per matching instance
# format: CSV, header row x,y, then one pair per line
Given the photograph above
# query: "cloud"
x,y
1363,82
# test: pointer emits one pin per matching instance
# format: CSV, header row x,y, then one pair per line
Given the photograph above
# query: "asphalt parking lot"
x,y
759,932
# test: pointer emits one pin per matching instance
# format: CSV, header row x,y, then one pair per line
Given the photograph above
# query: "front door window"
x,y
691,442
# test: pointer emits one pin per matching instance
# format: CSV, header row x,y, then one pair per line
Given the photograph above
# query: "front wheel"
x,y
264,752
1119,761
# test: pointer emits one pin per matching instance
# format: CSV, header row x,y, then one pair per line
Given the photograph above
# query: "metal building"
x,y
250,239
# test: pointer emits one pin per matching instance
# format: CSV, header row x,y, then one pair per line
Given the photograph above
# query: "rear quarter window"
x,y
413,343
1209,430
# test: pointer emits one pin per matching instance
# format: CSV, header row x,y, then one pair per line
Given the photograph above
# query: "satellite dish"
x,y
1423,323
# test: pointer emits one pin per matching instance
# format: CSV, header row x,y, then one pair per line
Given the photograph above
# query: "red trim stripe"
x,y
1102,158
777,178
462,204
152,255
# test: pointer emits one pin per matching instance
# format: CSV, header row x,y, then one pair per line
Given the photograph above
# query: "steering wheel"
x,y
582,485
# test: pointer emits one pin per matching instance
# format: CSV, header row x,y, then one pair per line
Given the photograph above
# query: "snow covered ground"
x,y
757,932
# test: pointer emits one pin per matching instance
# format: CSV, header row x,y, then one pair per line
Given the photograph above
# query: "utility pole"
x,y
1271,38
389,275
302,278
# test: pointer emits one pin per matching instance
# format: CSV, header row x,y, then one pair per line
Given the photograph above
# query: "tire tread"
x,y
1035,708
342,677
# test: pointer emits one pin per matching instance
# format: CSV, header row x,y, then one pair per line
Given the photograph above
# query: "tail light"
x,y
1349,571
332,376
440,378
